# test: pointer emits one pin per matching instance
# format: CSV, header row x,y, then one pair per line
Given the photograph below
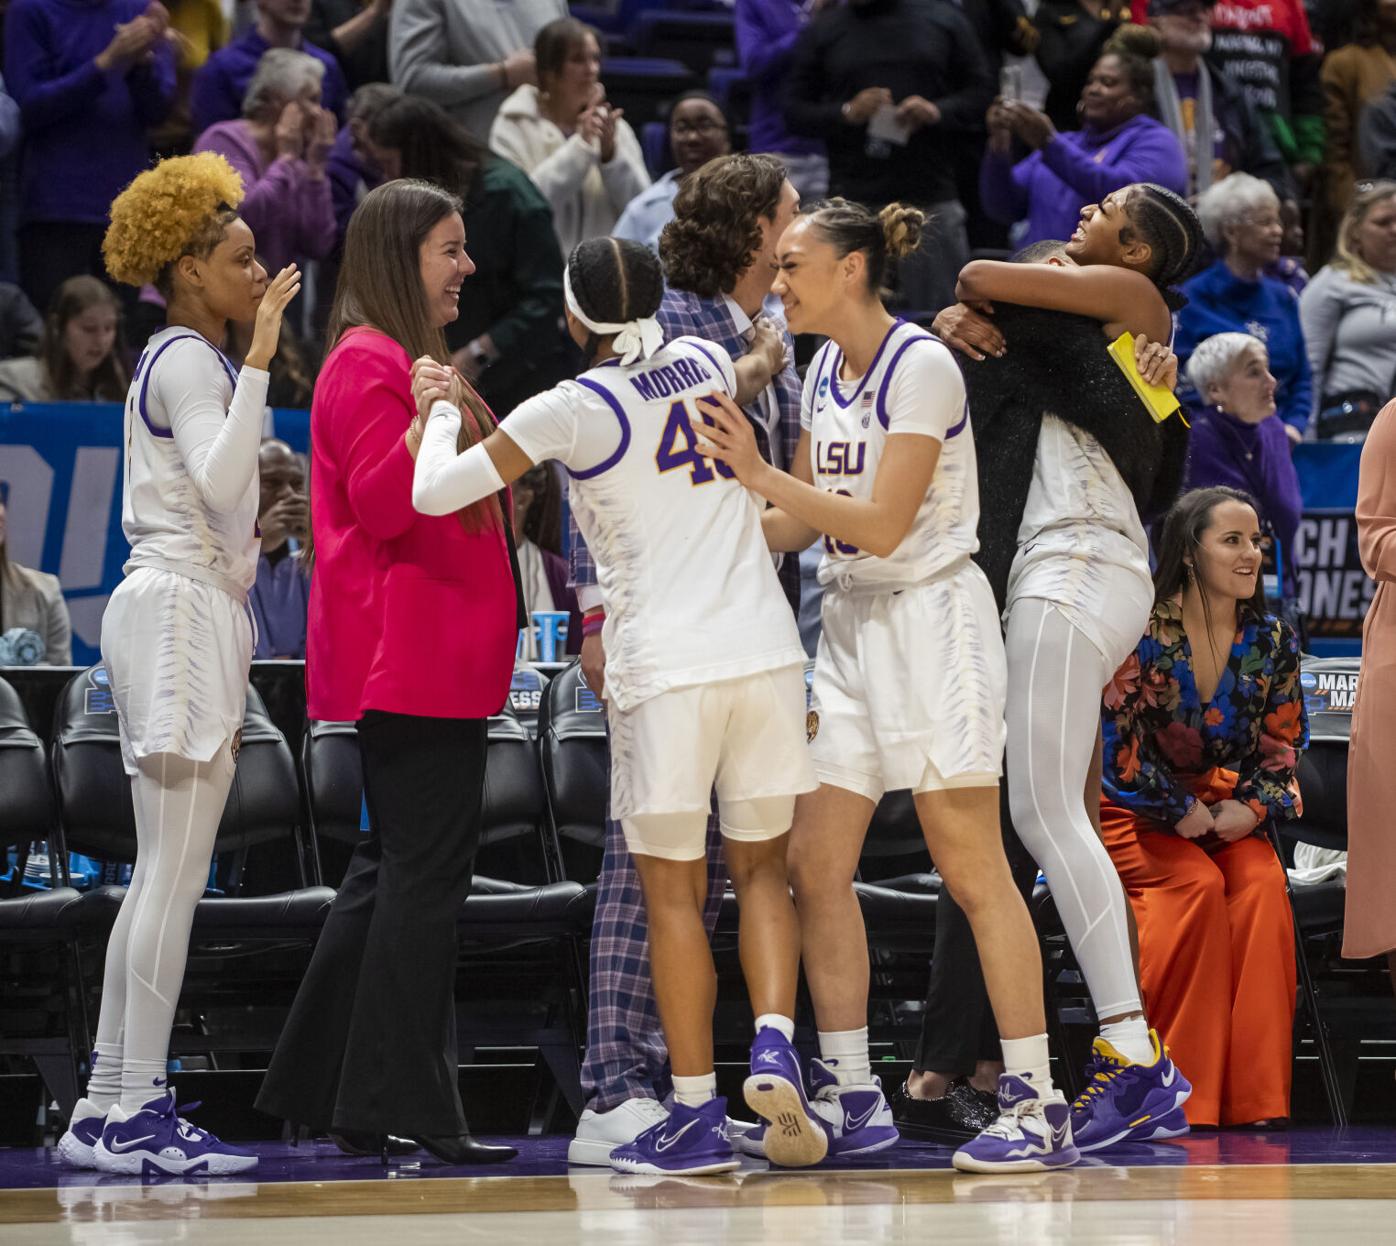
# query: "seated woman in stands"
x,y
1204,724
79,357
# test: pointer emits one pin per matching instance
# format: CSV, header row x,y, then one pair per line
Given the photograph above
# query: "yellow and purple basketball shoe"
x,y
1128,1102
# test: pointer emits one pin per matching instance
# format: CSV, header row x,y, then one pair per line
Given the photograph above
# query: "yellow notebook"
x,y
1159,399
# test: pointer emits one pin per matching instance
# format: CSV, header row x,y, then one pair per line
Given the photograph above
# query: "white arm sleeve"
x,y
218,444
444,481
926,393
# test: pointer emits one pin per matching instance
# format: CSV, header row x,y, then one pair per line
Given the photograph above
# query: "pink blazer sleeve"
x,y
370,425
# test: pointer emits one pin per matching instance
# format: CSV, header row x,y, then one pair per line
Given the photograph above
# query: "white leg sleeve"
x,y
1055,678
179,804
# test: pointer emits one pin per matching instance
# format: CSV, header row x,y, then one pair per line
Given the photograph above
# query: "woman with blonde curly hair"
x,y
177,636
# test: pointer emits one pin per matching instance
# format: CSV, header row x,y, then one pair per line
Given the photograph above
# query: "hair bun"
x,y
901,229
1132,40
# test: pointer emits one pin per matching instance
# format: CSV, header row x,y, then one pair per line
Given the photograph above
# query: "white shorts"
x,y
910,687
743,737
1098,578
177,652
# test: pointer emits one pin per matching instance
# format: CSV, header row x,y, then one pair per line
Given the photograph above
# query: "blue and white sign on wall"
x,y
60,471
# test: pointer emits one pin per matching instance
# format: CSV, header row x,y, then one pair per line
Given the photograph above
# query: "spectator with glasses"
x,y
1240,216
698,132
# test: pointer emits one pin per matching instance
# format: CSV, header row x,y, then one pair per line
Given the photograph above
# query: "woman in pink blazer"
x,y
412,633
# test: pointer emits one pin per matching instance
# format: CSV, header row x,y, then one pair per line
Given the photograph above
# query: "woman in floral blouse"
x,y
1203,728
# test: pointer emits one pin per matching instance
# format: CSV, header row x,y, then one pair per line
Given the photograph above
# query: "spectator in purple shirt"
x,y
280,595
219,87
90,76
1118,144
766,34
1238,440
281,148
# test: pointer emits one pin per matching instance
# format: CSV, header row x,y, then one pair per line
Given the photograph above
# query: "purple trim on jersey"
x,y
145,379
872,367
703,350
882,417
961,426
606,464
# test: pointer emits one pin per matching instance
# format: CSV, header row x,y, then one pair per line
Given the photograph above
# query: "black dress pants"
x,y
370,1043
958,1028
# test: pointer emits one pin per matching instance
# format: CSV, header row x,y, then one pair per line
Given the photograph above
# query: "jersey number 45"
x,y
678,447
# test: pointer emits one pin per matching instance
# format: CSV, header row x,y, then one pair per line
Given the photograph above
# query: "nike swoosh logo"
x,y
857,1122
118,1148
1171,1076
663,1144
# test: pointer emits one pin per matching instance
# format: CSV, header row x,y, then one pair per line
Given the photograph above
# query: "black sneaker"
x,y
962,1113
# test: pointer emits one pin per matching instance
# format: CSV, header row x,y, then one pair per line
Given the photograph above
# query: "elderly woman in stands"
x,y
1241,217
1348,312
1238,440
281,150
1203,728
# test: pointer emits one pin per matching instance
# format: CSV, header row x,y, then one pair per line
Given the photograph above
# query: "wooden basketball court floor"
x,y
1318,1186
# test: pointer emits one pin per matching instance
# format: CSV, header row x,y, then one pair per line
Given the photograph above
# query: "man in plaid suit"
x,y
717,285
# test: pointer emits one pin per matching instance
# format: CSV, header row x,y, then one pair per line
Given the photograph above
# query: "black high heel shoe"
x,y
361,1142
462,1149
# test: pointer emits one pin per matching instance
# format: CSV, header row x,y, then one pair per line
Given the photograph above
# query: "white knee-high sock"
x,y
180,806
104,1086
1056,676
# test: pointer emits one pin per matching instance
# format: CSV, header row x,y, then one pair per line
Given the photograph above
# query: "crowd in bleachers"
x,y
1002,118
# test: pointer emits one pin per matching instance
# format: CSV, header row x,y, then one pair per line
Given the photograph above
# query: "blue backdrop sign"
x,y
60,471
60,464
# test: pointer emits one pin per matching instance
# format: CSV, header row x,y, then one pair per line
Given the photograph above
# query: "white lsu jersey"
x,y
182,380
690,590
913,386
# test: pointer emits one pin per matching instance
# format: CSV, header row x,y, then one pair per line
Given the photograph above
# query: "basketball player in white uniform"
x,y
176,635
704,673
909,682
1078,599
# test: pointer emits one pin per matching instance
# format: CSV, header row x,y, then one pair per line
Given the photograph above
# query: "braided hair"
x,y
1163,219
614,280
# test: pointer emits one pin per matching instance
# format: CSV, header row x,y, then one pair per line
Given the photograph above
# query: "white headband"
x,y
635,339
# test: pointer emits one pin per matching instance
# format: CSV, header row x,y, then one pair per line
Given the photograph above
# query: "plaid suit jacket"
x,y
684,314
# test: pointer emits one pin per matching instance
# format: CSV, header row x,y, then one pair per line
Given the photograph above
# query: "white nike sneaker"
x,y
82,1135
599,1133
858,1119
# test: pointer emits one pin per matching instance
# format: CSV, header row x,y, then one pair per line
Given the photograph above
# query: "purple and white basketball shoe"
x,y
1032,1133
690,1142
775,1091
157,1139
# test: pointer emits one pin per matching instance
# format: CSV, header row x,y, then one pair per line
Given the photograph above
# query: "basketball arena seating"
x,y
42,1016
520,980
288,831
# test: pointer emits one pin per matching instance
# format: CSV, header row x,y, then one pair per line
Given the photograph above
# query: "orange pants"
x,y
1216,958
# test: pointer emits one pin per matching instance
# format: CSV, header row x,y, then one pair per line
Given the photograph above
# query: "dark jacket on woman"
x,y
516,293
1057,365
